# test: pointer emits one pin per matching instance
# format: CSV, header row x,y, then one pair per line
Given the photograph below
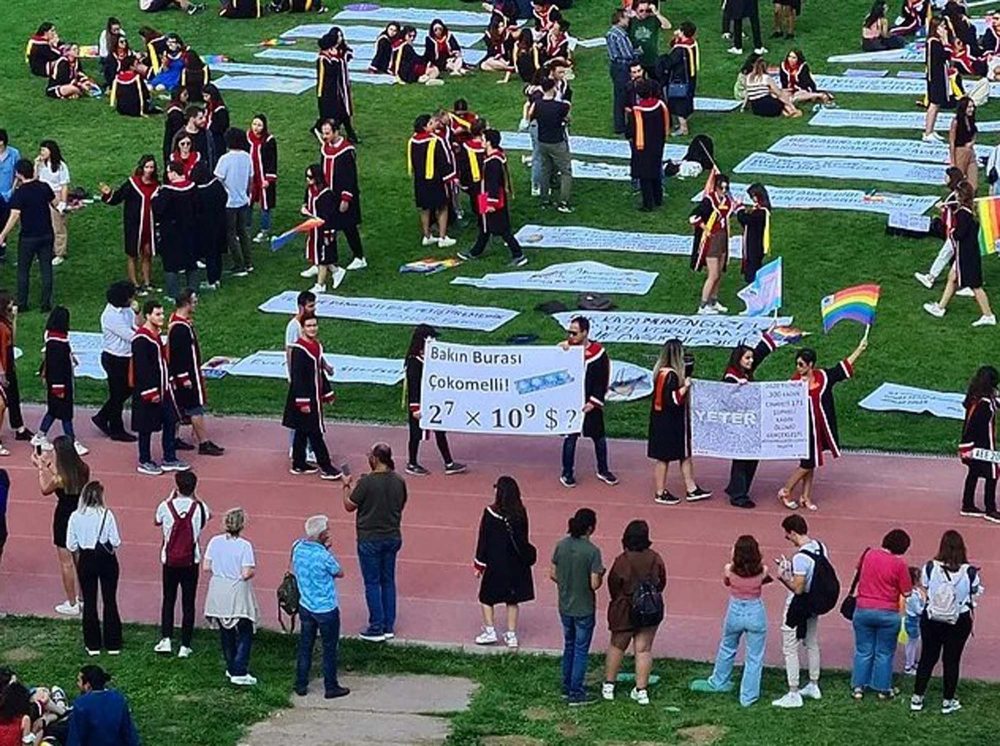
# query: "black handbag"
x,y
105,548
528,554
850,602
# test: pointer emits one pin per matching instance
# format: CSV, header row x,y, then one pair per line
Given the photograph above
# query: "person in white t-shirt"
x,y
51,169
235,171
797,575
306,302
182,508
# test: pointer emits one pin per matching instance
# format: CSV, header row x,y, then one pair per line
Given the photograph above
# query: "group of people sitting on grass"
x,y
765,97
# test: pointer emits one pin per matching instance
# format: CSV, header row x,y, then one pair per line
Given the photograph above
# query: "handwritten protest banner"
x,y
809,198
656,328
578,277
841,168
346,368
868,147
896,397
599,239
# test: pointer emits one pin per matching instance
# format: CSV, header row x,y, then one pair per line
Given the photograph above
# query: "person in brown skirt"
x,y
710,220
962,141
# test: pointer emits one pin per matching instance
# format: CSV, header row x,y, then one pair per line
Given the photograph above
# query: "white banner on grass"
x,y
656,328
385,311
628,382
807,198
516,390
890,397
906,54
346,368
765,421
599,239
576,277
893,120
841,168
595,43
852,72
286,71
87,347
701,103
595,147
368,34
883,86
416,16
263,84
868,147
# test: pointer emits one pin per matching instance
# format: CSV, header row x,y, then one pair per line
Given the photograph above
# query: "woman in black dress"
x,y
756,221
678,71
939,89
670,424
967,271
979,431
136,194
333,83
57,372
504,557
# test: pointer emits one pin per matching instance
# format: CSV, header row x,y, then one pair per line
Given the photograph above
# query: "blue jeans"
x,y
577,633
378,569
67,426
744,616
328,624
569,454
236,644
265,218
875,635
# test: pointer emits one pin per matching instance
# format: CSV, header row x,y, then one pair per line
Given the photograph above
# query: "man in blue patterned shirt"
x,y
621,55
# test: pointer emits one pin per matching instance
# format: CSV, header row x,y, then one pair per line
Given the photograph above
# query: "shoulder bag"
x,y
850,602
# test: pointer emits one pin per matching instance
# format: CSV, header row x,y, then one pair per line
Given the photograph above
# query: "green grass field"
x,y
824,251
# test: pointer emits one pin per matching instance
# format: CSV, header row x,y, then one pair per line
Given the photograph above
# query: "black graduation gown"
x,y
156,52
175,207
264,157
39,55
939,89
340,164
506,576
216,124
990,43
296,6
648,125
184,363
383,54
58,376
150,382
764,347
469,164
800,79
438,52
241,9
172,124
319,241
979,431
530,62
965,240
211,204
495,189
823,413
194,77
114,64
129,94
414,368
754,222
308,384
597,373
431,167
61,72
669,436
676,67
742,471
333,86
406,63
137,215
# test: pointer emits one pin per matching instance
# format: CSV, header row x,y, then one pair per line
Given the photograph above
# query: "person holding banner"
x,y
756,222
597,374
670,424
979,431
743,363
822,419
710,220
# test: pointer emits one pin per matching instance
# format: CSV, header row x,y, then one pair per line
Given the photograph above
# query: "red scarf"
x,y
257,182
146,192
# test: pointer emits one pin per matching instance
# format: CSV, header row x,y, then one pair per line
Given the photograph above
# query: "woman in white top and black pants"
x,y
118,325
93,537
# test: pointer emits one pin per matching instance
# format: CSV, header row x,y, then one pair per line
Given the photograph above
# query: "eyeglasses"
x,y
572,334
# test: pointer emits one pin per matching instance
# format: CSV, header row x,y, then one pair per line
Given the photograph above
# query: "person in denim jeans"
x,y
745,575
578,573
316,570
378,499
883,577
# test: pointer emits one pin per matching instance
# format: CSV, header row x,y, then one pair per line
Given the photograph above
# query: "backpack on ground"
x,y
288,597
647,605
942,601
824,591
181,544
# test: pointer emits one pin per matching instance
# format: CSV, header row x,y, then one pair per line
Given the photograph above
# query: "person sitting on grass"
x,y
797,80
763,96
154,6
100,715
875,33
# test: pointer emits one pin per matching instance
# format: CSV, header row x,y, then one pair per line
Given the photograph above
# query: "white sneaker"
x,y
719,307
608,691
526,160
640,695
536,190
359,262
311,272
428,241
707,311
445,241
246,680
949,706
790,701
916,703
81,449
261,237
926,280
56,261
339,273
965,292
990,320
200,264
184,652
487,637
39,440
163,646
510,640
734,50
811,690
317,288
68,609
761,50
934,310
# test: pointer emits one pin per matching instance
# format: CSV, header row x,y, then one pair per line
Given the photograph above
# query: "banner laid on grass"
x,y
656,328
417,16
702,103
502,390
904,172
880,86
890,120
765,421
264,84
599,239
889,397
909,54
286,71
362,56
868,147
577,277
384,311
346,368
594,147
808,198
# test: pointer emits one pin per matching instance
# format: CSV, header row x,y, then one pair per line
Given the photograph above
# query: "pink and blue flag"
x,y
763,295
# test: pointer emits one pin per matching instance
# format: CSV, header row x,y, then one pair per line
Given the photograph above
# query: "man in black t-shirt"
x,y
29,205
552,116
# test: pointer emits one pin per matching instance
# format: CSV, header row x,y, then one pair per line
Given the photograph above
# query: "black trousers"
x,y
753,15
619,82
95,569
14,415
652,192
353,240
741,475
484,238
315,440
977,471
416,435
119,390
945,641
27,249
187,579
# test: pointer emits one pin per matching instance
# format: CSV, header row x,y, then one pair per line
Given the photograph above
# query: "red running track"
x,y
860,498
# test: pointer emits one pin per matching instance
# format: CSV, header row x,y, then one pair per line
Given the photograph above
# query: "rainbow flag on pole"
x,y
856,303
304,227
988,209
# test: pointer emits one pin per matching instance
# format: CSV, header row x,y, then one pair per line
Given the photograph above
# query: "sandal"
x,y
783,499
808,506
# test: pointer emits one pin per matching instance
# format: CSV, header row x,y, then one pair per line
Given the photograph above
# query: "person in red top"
x,y
822,419
710,220
136,193
882,578
979,431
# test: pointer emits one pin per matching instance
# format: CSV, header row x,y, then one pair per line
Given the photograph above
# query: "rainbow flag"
x,y
988,209
856,303
304,227
787,335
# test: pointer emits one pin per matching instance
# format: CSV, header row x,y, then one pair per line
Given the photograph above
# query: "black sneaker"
x,y
301,691
466,256
331,475
24,434
208,448
972,512
183,445
746,502
666,498
123,437
608,478
455,468
992,516
519,261
340,691
698,494
567,480
101,425
416,470
580,701
306,470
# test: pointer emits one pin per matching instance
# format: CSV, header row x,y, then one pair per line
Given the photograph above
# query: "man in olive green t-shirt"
x,y
644,31
578,573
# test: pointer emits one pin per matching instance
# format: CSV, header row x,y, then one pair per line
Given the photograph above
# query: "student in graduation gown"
x,y
912,17
173,121
797,81
66,79
130,94
501,40
940,92
967,271
493,210
743,363
384,45
340,170
876,35
175,207
136,194
211,205
118,58
154,48
979,431
195,75
297,6
333,82
529,59
469,163
42,50
556,41
167,63
10,392
710,220
201,142
263,148
185,154
241,9
407,65
57,373
442,50
216,122
648,125
756,221
669,437
990,43
308,391
414,367
822,420
321,248
430,166
678,71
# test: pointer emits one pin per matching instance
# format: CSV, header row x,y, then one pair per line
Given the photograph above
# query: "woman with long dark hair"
x,y
333,82
10,393
384,45
51,168
979,431
951,586
321,246
216,120
763,96
57,371
710,220
678,71
136,193
952,178
797,80
744,575
442,50
264,187
414,365
756,221
15,715
875,33
962,141
504,556
939,88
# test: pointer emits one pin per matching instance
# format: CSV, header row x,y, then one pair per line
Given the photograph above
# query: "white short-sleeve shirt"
x,y
165,520
229,556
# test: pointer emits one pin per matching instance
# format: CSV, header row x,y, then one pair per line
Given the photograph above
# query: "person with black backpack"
x,y
636,584
182,517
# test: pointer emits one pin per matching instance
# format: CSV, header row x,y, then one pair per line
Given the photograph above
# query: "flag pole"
x,y
868,328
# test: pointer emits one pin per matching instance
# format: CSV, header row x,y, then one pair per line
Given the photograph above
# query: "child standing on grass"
x,y
914,608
